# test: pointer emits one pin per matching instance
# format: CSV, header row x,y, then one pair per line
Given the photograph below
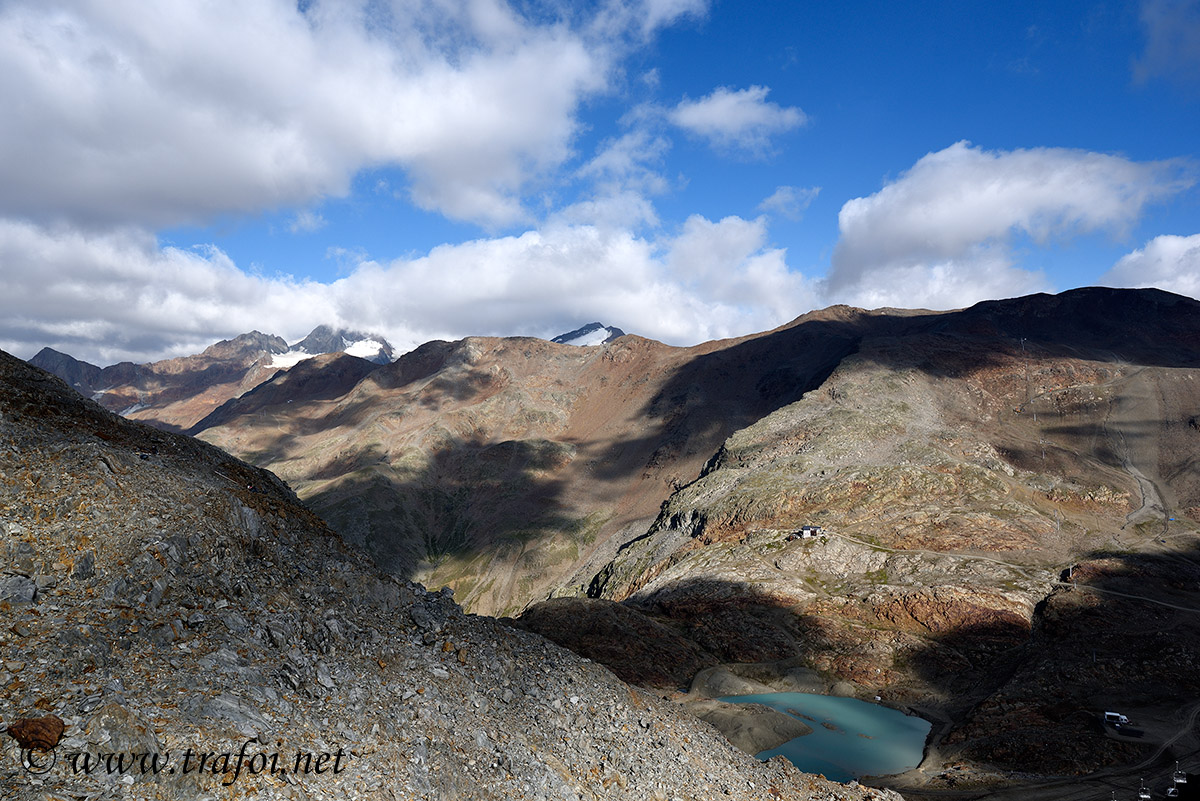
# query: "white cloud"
x,y
740,119
623,175
136,114
939,235
624,162
729,262
790,201
134,117
620,209
118,295
979,273
1167,262
714,279
660,13
306,222
644,16
1172,41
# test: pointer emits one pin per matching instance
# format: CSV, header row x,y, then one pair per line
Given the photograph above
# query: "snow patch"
x,y
289,359
596,337
590,334
363,348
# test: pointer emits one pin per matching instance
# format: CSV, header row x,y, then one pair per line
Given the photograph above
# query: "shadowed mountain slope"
x,y
322,377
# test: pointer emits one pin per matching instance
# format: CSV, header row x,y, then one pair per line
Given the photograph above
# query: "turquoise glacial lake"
x,y
850,738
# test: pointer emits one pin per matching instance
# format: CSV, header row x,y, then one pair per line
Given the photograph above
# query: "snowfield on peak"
x,y
590,334
370,349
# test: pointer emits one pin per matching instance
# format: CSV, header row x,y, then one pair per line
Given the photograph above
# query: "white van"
x,y
1115,717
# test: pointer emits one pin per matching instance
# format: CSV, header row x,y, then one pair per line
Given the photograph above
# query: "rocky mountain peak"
x,y
591,334
327,339
81,375
245,344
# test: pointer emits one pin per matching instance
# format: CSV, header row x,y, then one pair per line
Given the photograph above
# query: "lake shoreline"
x,y
724,682
849,739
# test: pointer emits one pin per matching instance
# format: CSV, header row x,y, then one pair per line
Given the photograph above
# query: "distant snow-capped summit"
x,y
325,339
590,334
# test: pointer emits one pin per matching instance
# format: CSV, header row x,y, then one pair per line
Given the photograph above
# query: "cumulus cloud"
x,y
1172,30
159,114
1167,262
737,120
790,201
940,234
136,117
629,161
749,283
119,295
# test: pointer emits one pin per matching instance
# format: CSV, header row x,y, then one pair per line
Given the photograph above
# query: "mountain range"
x,y
175,394
1009,498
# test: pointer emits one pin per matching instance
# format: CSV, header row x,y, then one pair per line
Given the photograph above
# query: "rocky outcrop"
x,y
637,648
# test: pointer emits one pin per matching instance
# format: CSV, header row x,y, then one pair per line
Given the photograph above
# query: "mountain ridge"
x,y
175,394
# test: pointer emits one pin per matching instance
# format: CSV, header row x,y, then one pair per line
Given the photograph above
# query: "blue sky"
x,y
683,169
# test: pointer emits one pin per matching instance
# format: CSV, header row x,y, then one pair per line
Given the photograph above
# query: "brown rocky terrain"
x,y
196,633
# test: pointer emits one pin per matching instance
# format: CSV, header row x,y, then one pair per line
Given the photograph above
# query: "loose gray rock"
x,y
17,589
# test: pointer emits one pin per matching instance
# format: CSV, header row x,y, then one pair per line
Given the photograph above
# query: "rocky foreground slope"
x,y
161,598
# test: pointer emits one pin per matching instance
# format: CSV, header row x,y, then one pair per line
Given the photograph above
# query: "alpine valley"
x,y
1005,503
